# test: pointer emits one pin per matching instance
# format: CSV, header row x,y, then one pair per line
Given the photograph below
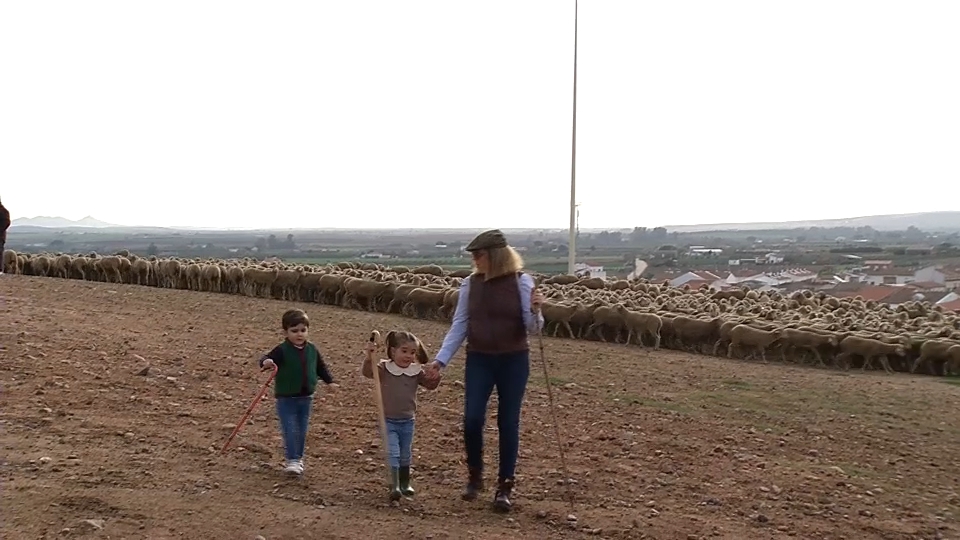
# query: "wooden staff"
x,y
378,396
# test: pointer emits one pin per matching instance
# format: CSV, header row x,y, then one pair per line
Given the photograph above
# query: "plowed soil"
x,y
116,399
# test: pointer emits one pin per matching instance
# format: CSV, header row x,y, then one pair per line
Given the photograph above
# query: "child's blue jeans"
x,y
400,441
294,415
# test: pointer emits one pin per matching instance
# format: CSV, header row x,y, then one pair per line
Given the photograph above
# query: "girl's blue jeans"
x,y
294,415
400,441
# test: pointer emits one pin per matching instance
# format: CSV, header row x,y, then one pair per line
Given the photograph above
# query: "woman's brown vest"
x,y
494,316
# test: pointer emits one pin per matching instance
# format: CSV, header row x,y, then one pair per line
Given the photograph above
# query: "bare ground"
x,y
662,445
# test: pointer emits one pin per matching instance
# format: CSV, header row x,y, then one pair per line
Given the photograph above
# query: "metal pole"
x,y
572,254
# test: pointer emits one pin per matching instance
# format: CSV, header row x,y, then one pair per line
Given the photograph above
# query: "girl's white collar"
x,y
412,370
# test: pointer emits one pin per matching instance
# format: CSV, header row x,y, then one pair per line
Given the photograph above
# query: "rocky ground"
x,y
116,399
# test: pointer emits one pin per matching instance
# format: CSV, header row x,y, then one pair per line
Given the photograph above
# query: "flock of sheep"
x,y
805,327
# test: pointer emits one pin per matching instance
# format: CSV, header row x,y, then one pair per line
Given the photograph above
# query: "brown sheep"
x,y
755,338
562,279
869,349
694,332
935,351
724,334
140,272
807,339
558,315
11,262
430,269
430,300
192,273
606,316
450,298
259,280
210,278
641,324
109,268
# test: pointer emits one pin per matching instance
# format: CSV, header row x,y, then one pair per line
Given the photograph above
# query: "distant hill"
x,y
61,223
925,221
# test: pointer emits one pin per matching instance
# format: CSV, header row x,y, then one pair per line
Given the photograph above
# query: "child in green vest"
x,y
400,376
299,365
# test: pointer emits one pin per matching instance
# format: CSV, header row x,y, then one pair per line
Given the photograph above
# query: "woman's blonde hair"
x,y
501,262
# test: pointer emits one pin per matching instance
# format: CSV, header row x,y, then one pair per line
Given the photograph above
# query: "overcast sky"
x,y
458,114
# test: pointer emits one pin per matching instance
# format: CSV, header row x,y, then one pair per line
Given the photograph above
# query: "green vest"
x,y
290,375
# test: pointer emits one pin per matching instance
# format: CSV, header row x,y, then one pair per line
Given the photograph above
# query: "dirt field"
x,y
664,446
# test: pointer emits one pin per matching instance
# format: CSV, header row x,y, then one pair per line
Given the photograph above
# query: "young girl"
x,y
299,365
400,376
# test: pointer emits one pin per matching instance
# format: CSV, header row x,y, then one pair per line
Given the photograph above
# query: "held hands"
x,y
370,348
268,365
433,371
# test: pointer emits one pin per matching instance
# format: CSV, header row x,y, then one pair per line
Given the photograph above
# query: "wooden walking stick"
x,y
556,426
378,397
243,420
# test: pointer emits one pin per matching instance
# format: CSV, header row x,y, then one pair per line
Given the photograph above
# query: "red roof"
x,y
925,285
951,306
870,292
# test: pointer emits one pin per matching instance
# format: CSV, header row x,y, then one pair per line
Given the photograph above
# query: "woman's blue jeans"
x,y
508,373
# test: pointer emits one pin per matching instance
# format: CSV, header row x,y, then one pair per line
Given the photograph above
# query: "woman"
x,y
4,225
498,306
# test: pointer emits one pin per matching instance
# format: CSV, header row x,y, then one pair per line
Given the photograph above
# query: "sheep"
x,y
430,269
606,316
694,332
109,268
806,339
587,308
170,271
724,334
869,349
331,287
140,272
286,284
61,266
935,350
259,280
210,278
641,324
11,262
429,299
742,334
562,279
192,275
41,265
559,315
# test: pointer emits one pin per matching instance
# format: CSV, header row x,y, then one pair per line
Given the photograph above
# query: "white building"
x,y
938,274
586,270
700,277
639,267
889,276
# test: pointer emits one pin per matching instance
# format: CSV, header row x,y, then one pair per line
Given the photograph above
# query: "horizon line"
x,y
705,226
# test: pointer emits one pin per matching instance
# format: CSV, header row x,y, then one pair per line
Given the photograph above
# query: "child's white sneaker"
x,y
293,466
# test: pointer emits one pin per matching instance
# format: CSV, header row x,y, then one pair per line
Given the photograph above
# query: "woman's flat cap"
x,y
491,239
